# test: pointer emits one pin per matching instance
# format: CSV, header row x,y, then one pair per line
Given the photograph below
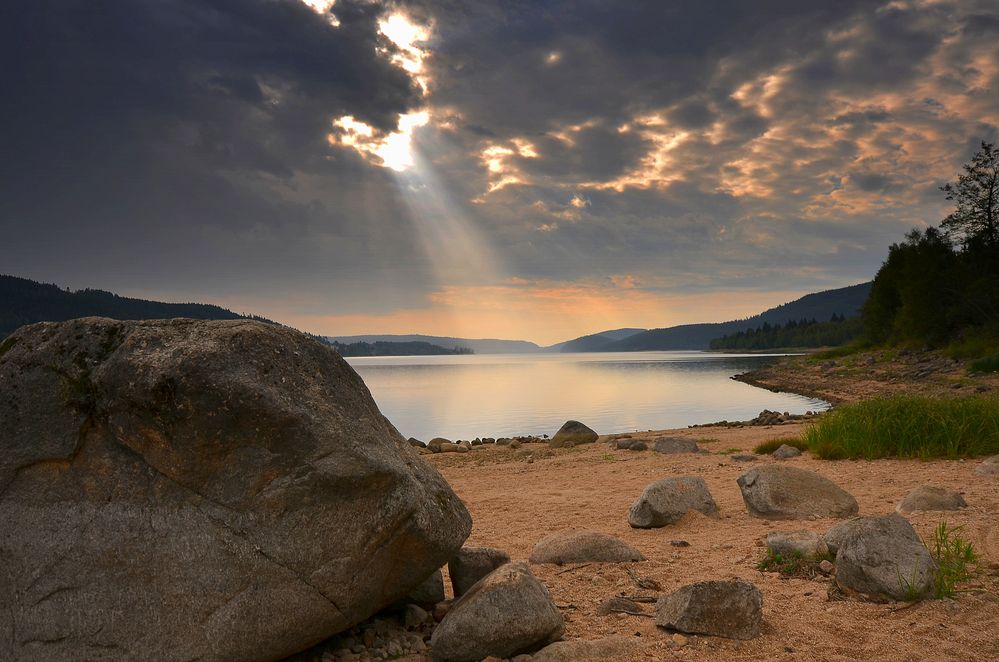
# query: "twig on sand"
x,y
647,599
577,567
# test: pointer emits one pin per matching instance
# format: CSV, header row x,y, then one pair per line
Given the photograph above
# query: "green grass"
x,y
771,445
987,364
848,349
908,427
955,556
792,565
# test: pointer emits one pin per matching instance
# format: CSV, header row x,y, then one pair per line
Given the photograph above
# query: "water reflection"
x,y
461,397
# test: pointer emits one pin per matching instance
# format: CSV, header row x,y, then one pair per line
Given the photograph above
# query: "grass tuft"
x,y
771,445
908,427
987,364
955,556
792,565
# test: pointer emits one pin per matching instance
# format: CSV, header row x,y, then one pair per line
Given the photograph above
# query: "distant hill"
x,y
24,301
479,345
845,302
379,348
593,342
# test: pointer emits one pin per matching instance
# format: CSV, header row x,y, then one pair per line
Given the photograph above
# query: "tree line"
x,y
839,330
941,285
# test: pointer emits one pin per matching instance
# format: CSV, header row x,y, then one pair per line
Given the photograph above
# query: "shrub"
x,y
908,427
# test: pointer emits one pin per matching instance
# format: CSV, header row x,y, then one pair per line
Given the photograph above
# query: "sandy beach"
x,y
517,496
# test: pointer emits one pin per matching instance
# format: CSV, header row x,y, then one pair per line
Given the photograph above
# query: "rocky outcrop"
x,y
471,564
508,612
732,609
775,491
666,501
583,547
671,445
573,433
165,485
883,558
929,497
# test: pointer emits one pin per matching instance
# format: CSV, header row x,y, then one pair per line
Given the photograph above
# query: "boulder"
x,y
989,466
671,445
785,452
164,485
573,433
429,592
413,441
436,443
928,497
774,491
638,445
743,458
471,564
617,604
583,547
625,444
804,543
608,648
732,609
666,501
507,613
883,558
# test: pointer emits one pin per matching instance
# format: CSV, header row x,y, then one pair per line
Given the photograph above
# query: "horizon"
x,y
539,172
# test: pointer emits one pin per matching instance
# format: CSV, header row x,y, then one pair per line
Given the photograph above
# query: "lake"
x,y
502,395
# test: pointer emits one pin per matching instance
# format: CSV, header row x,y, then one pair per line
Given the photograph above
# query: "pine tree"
x,y
976,196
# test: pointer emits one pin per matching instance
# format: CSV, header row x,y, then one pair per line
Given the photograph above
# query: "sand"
x,y
514,503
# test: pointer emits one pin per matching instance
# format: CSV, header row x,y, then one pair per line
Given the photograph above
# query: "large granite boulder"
x,y
471,564
732,609
774,491
573,433
583,547
930,497
883,558
506,613
666,501
180,489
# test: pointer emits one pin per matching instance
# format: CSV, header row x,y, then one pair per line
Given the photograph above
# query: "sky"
x,y
534,170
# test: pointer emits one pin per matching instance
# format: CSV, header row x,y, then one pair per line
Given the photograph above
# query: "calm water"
x,y
493,395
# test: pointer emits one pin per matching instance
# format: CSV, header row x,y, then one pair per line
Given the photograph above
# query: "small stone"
x,y
679,543
826,567
414,616
786,451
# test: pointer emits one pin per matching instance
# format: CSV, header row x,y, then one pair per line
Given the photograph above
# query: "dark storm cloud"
x,y
774,145
171,137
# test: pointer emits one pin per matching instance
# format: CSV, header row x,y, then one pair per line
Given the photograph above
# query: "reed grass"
x,y
908,427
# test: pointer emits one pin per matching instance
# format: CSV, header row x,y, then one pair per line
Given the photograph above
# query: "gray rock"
x,y
165,484
883,557
988,467
413,441
775,491
617,604
785,452
583,547
666,501
573,433
928,497
436,443
638,446
507,613
671,445
414,616
805,543
743,458
625,444
609,648
429,592
732,609
471,564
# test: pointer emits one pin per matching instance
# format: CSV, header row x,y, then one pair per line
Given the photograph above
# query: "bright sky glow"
x,y
394,150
